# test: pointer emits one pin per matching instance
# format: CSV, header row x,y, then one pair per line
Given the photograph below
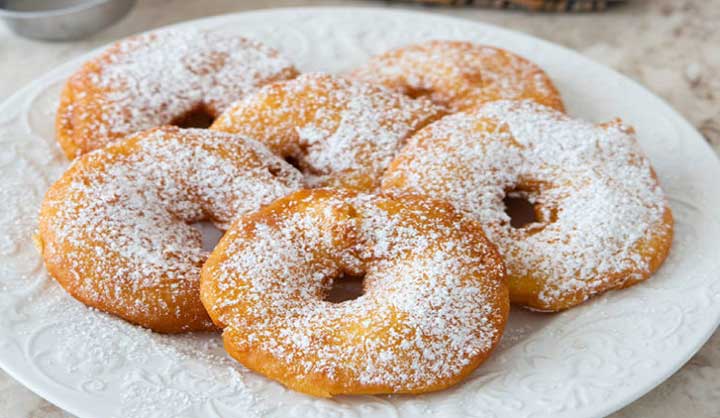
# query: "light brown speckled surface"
x,y
669,46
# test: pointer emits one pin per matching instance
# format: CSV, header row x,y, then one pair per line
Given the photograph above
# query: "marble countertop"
x,y
669,46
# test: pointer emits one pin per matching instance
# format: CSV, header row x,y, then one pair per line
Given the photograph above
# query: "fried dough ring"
x,y
340,133
602,221
460,75
435,301
161,78
114,230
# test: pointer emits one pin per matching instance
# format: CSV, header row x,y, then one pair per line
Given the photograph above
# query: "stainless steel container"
x,y
60,20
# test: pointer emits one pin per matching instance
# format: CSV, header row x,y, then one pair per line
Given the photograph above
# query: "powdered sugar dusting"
x,y
119,219
156,78
340,132
460,75
433,297
597,194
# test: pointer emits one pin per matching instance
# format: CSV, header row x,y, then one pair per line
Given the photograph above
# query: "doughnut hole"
x,y
198,117
524,206
297,156
418,92
294,161
301,159
210,233
346,287
519,209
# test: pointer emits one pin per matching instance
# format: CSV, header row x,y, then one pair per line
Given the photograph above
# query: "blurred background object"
x,y
534,5
62,20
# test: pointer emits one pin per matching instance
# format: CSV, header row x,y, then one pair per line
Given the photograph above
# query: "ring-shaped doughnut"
x,y
115,229
435,301
460,75
339,133
161,78
602,221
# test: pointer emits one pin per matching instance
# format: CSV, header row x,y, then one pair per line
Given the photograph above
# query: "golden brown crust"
x,y
114,229
160,78
460,75
602,221
526,290
434,307
340,133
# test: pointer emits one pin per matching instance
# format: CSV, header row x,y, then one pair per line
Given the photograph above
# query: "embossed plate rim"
x,y
73,403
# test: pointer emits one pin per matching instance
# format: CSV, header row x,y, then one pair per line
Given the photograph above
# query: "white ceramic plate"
x,y
586,362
